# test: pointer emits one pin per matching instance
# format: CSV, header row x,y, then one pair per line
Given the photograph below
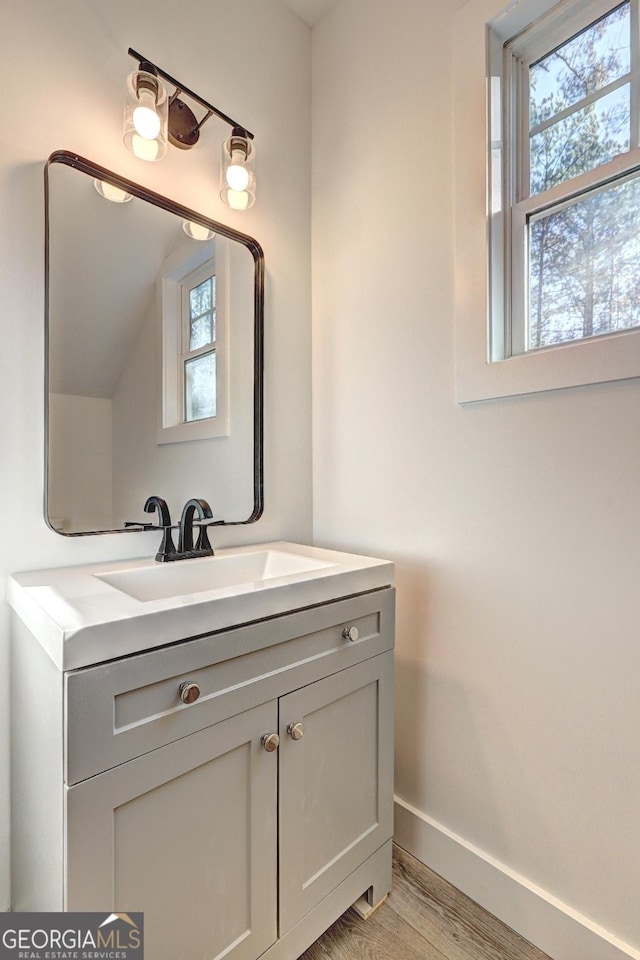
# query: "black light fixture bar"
x,y
180,88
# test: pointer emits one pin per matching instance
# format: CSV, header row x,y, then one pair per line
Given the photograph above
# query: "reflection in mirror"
x,y
154,355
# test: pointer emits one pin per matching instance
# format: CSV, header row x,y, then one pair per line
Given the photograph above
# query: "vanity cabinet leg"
x,y
378,892
364,909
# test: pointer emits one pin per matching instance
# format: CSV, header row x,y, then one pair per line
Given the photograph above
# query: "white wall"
x,y
65,64
515,524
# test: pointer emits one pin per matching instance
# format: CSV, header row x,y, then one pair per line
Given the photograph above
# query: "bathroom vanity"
x,y
221,760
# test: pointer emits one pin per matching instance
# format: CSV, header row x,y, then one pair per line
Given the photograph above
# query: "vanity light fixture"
x,y
196,231
152,118
110,192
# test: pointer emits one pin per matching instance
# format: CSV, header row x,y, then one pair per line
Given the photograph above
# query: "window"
x,y
563,251
571,93
194,401
198,359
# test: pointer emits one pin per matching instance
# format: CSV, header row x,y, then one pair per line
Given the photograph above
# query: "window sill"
x,y
195,430
569,365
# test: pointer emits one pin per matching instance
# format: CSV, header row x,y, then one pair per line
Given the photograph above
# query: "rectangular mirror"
x,y
154,355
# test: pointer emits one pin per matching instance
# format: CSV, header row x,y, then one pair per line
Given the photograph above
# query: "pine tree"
x,y
585,258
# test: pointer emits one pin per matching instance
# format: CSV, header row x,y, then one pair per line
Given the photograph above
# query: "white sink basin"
x,y
185,577
89,614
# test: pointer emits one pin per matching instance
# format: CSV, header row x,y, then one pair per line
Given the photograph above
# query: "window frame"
x,y
178,271
486,365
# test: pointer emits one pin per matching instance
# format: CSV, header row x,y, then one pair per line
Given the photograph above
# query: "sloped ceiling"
x,y
104,263
311,11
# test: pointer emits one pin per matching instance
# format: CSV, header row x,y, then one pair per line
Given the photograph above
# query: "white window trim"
x,y
479,376
180,264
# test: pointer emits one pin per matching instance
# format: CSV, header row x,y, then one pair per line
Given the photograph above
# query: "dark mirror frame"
x,y
94,170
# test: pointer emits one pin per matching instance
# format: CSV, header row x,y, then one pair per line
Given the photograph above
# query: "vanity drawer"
x,y
125,708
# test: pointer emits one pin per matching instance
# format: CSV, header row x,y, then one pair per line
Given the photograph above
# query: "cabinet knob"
x,y
270,741
351,633
189,691
296,730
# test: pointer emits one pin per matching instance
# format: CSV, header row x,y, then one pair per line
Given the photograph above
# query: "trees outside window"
x,y
571,177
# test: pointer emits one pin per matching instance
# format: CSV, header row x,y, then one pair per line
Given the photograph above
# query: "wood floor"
x,y
424,918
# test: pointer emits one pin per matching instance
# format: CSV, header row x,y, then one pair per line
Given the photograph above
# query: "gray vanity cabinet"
x,y
186,834
179,810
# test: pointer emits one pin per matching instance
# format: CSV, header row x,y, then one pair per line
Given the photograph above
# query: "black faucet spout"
x,y
160,506
167,549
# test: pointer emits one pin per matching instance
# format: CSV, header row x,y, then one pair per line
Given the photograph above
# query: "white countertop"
x,y
80,619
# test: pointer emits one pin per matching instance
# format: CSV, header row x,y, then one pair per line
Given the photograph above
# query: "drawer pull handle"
x,y
296,730
270,741
351,633
189,691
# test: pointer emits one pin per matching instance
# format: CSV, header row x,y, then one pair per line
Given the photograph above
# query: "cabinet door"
x,y
187,834
336,782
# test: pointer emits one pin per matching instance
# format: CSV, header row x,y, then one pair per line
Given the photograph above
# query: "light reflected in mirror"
x,y
154,356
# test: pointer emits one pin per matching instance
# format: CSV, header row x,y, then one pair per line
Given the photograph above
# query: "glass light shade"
x,y
237,199
146,113
237,173
109,192
196,231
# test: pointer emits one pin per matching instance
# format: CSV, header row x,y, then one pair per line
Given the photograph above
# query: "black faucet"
x,y
185,544
167,549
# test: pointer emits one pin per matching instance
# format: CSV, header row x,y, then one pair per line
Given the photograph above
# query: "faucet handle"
x,y
167,549
203,546
206,519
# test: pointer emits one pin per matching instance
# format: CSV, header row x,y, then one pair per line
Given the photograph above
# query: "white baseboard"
x,y
548,923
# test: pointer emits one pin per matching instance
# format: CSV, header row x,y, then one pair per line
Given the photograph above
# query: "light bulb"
x,y
238,199
196,231
237,174
109,192
146,120
144,149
